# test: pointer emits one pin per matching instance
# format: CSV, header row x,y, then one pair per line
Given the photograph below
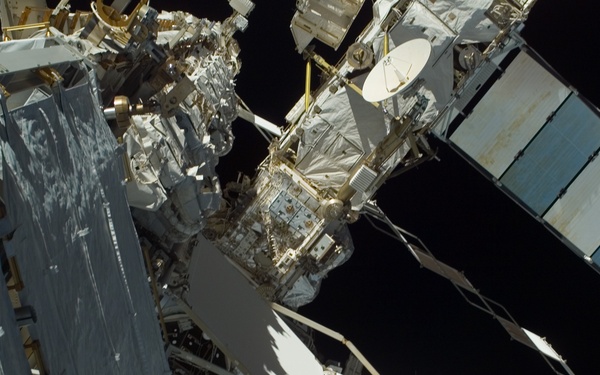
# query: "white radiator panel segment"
x,y
240,322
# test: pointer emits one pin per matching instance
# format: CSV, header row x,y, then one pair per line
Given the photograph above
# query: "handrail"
x,y
40,25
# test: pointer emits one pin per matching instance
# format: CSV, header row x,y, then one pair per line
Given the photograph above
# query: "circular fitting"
x,y
266,291
122,106
359,55
333,209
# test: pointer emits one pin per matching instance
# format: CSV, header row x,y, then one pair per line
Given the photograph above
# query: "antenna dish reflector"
x,y
396,71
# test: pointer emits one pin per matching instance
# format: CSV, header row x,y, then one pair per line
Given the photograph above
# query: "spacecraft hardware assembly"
x,y
124,253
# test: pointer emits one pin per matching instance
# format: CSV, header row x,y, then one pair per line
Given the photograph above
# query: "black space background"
x,y
407,320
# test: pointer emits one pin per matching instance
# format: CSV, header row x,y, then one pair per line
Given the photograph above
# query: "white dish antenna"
x,y
395,72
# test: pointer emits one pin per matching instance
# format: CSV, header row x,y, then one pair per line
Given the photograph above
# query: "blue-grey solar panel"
x,y
75,242
555,155
541,148
596,257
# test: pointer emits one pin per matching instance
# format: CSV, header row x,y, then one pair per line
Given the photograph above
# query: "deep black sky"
x,y
407,320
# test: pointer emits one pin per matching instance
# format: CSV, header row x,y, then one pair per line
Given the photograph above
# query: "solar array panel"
x,y
538,140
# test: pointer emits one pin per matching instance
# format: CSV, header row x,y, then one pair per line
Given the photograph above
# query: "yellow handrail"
x,y
40,25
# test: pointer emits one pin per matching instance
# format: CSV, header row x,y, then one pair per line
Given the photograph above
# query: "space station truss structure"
x,y
287,226
68,224
107,119
114,124
338,148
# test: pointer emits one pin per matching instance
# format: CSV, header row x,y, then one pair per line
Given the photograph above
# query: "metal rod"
x,y
40,25
10,29
386,43
307,86
197,361
333,71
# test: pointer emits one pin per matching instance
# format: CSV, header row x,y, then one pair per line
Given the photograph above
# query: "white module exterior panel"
x,y
577,214
510,114
243,7
27,59
326,20
322,247
346,129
